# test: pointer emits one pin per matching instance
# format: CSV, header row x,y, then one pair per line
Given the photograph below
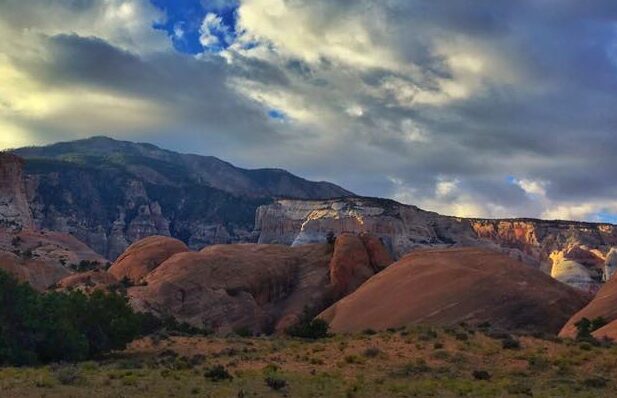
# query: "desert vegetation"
x,y
39,328
405,362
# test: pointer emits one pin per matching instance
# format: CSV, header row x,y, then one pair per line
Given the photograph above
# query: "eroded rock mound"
x,y
449,286
261,287
42,258
144,256
40,274
350,265
224,287
604,305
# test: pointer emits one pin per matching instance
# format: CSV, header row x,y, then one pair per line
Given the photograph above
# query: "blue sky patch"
x,y
277,115
185,19
607,217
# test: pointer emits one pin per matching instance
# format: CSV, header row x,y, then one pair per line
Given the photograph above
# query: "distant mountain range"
x,y
109,193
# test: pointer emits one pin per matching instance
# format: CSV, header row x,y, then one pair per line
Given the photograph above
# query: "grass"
x,y
414,362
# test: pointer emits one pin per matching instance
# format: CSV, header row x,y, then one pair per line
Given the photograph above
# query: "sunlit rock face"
x,y
610,265
401,228
573,252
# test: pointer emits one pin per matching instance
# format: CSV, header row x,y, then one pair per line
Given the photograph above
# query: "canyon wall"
x,y
572,252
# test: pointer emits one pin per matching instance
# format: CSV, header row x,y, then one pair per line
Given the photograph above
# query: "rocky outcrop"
x,y
350,265
603,305
225,287
261,287
444,287
574,252
143,256
43,258
14,208
610,265
402,228
38,273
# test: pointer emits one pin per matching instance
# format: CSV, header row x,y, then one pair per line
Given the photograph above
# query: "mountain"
x,y
111,193
576,253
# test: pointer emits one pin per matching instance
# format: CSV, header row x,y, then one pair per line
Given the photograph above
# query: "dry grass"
x,y
417,362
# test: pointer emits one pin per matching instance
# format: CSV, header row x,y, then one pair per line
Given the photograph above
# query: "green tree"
x,y
59,326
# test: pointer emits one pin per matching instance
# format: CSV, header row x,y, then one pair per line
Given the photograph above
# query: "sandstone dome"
x,y
144,256
448,286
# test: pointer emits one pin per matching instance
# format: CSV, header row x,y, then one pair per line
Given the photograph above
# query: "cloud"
x,y
494,108
214,33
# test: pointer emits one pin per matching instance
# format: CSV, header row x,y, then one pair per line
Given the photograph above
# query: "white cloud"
x,y
124,23
211,28
534,188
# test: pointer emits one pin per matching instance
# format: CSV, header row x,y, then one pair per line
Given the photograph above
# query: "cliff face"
x,y
572,252
111,193
14,208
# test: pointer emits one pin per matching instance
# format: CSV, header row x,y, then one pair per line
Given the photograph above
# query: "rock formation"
x,y
350,265
604,305
43,258
574,252
444,287
14,208
144,256
261,287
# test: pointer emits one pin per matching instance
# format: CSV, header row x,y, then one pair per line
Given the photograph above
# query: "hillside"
x,y
110,193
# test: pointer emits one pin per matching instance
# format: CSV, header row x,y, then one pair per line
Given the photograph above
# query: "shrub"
x,y
275,382
309,328
585,328
481,375
372,352
510,343
461,336
61,326
67,375
243,331
218,373
595,382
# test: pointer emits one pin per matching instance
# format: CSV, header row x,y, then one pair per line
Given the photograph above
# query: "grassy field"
x,y
418,362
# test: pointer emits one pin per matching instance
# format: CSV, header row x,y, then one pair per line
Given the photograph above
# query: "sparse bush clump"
x,y
510,343
372,352
218,373
67,375
309,328
481,375
276,382
585,328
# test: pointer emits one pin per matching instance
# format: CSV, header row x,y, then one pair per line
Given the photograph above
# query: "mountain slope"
x,y
111,193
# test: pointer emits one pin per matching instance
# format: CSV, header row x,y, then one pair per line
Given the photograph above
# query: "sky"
x,y
488,108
